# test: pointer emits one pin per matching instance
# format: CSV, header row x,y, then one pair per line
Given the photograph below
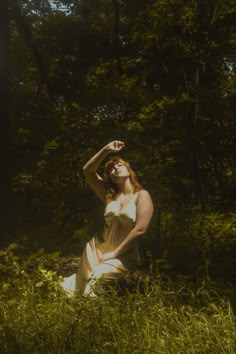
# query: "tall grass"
x,y
165,317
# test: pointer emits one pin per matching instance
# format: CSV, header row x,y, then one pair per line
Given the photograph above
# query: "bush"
x,y
193,240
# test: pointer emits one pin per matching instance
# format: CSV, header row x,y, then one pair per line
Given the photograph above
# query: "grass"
x,y
165,317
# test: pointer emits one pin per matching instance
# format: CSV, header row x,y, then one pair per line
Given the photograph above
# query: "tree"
x,y
157,74
5,125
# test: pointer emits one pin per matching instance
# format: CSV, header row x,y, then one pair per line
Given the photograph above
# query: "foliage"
x,y
195,243
158,75
37,316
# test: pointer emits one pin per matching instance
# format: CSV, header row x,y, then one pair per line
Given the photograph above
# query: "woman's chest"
x,y
115,209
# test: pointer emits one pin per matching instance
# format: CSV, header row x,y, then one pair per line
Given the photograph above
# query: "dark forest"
x,y
160,76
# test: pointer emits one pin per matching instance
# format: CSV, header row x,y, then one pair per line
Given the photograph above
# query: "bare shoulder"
x,y
144,197
143,194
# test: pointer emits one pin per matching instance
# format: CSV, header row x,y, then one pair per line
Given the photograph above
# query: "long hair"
x,y
111,187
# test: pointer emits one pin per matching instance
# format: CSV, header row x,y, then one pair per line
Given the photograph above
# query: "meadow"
x,y
151,314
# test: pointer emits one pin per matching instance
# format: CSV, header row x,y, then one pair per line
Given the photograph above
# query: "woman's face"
x,y
119,171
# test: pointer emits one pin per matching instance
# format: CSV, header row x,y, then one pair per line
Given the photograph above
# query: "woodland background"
x,y
157,74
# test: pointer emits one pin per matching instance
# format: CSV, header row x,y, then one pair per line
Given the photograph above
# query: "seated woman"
x,y
128,212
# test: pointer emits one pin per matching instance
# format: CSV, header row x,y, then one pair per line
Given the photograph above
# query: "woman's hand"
x,y
106,256
115,146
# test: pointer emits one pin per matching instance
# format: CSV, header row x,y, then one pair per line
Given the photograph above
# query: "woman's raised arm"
x,y
90,168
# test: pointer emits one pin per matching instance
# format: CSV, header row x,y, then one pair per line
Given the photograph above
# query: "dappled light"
x,y
78,255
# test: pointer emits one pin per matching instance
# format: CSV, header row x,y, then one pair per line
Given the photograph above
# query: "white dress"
x,y
119,221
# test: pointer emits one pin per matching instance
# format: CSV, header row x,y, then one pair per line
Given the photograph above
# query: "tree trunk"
x,y
25,31
198,187
116,41
5,124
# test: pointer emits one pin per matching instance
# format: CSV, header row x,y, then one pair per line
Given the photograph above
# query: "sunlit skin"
x,y
119,171
121,177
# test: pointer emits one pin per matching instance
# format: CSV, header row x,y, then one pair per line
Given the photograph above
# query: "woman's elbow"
x,y
140,230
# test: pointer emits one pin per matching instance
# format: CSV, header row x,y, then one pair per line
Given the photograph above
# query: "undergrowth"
x,y
158,316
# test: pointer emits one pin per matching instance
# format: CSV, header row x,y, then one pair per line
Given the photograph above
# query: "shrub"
x,y
193,240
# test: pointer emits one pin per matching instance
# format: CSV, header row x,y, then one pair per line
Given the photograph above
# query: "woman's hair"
x,y
111,187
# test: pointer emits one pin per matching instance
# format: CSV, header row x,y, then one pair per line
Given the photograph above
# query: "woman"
x,y
128,212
